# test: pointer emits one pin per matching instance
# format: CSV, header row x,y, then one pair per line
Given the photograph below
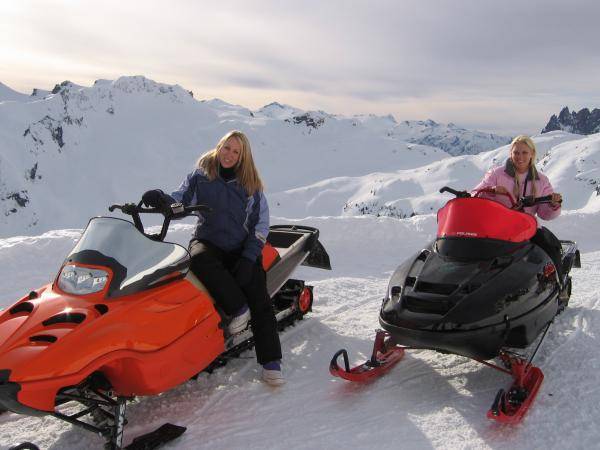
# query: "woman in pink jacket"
x,y
520,178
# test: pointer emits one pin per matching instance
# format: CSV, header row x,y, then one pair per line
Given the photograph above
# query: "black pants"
x,y
213,267
545,239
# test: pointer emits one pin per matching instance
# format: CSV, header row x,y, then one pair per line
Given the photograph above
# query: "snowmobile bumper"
x,y
483,343
9,393
480,343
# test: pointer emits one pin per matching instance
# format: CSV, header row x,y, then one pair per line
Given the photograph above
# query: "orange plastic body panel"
x,y
269,256
145,343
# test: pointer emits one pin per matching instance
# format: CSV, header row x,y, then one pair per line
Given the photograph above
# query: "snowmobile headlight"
x,y
81,280
394,292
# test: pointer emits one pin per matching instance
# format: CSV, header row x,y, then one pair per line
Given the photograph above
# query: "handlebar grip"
x,y
458,194
447,189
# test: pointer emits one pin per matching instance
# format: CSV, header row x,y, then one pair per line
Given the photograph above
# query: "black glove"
x,y
243,271
158,199
153,198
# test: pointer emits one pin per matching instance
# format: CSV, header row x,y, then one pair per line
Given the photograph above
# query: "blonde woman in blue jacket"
x,y
227,243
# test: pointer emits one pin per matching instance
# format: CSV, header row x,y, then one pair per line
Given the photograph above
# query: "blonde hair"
x,y
532,171
245,170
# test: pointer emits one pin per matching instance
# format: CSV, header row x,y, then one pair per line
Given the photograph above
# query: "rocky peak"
x,y
578,122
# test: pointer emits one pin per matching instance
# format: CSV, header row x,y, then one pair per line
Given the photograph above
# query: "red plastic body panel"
x,y
484,219
269,256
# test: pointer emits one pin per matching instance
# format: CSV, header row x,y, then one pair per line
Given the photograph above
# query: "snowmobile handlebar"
x,y
176,211
531,201
458,194
522,202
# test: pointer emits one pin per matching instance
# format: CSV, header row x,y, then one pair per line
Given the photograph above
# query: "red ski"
x,y
385,355
510,406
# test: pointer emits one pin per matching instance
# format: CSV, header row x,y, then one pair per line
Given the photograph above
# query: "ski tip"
x,y
24,446
165,433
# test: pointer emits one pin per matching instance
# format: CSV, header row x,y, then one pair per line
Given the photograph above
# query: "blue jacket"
x,y
237,222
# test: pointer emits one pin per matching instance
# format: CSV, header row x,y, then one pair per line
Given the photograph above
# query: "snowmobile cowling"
x,y
484,219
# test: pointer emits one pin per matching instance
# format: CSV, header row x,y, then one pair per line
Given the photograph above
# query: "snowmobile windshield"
x,y
484,219
137,262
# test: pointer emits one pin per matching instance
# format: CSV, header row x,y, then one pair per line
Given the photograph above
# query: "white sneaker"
x,y
273,377
239,323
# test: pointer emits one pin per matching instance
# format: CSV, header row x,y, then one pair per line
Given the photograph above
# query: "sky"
x,y
495,66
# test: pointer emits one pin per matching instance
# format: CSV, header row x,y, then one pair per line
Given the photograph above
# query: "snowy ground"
x,y
429,401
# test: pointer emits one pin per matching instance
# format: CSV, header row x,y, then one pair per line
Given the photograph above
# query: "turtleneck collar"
x,y
227,174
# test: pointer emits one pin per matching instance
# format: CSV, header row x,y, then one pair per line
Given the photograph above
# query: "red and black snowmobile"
x,y
125,317
482,290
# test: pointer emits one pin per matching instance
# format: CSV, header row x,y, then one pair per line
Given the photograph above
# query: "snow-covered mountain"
x,y
69,153
452,139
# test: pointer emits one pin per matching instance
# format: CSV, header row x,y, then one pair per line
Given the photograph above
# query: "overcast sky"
x,y
501,66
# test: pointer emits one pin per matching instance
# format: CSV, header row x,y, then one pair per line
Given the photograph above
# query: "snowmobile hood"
x,y
51,334
435,292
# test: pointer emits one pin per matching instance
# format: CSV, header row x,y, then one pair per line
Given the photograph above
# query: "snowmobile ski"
x,y
162,435
24,446
383,358
510,406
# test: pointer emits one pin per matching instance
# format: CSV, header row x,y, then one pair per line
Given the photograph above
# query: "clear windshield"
x,y
138,260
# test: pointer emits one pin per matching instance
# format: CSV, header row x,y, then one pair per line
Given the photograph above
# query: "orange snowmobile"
x,y
125,317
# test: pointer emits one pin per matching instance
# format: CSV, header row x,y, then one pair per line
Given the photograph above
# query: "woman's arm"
x,y
490,180
547,211
186,192
258,228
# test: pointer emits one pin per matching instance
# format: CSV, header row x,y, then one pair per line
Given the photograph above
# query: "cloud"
x,y
436,56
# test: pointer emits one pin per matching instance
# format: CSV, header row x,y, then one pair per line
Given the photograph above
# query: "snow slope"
x,y
429,401
9,95
571,161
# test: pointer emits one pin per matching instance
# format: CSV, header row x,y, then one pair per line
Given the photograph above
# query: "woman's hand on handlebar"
x,y
556,199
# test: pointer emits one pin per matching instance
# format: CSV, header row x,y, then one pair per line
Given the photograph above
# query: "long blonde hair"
x,y
245,170
532,171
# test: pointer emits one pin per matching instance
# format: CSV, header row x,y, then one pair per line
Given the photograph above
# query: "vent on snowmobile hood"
x,y
436,288
43,338
101,308
22,307
64,318
427,306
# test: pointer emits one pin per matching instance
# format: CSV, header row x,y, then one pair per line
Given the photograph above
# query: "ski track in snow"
x,y
428,401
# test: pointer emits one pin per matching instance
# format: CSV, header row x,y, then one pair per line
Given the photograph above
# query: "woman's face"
x,y
521,155
229,154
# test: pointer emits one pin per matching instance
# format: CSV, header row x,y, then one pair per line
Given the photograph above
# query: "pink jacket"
x,y
504,176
